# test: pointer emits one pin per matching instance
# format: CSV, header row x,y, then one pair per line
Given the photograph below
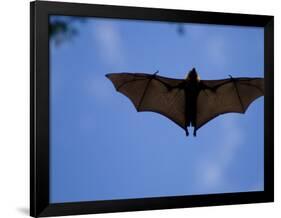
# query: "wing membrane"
x,y
225,96
153,93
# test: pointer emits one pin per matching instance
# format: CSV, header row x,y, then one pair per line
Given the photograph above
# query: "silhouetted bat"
x,y
189,101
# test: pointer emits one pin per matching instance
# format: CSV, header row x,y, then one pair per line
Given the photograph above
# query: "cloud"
x,y
107,37
231,140
196,32
216,50
100,88
211,40
212,175
108,44
212,169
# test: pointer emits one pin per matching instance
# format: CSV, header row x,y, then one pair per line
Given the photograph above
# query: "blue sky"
x,y
101,148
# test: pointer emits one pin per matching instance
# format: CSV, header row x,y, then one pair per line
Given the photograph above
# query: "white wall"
x,y
14,107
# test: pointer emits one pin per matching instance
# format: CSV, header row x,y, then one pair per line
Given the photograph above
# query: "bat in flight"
x,y
190,101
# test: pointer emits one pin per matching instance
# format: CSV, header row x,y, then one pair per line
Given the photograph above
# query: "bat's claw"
x,y
156,72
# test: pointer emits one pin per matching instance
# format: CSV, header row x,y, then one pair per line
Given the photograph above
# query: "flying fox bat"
x,y
188,101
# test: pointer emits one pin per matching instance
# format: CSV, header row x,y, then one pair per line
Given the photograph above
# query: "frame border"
x,y
39,108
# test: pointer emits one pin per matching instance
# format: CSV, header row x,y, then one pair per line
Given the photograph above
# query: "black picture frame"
x,y
39,108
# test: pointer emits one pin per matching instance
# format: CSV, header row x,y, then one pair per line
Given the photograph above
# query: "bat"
x,y
190,101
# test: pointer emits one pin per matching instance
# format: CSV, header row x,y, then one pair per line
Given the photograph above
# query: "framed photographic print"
x,y
143,108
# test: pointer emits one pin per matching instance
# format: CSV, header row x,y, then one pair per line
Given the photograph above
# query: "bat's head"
x,y
193,75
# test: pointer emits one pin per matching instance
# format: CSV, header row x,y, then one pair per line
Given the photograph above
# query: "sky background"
x,y
102,149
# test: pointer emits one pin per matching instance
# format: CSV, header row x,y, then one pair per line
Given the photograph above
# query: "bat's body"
x,y
189,101
191,87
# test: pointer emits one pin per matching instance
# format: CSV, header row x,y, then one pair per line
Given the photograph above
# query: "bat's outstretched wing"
x,y
227,95
149,92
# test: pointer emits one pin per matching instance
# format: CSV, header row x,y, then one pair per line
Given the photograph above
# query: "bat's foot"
x,y
194,132
186,132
